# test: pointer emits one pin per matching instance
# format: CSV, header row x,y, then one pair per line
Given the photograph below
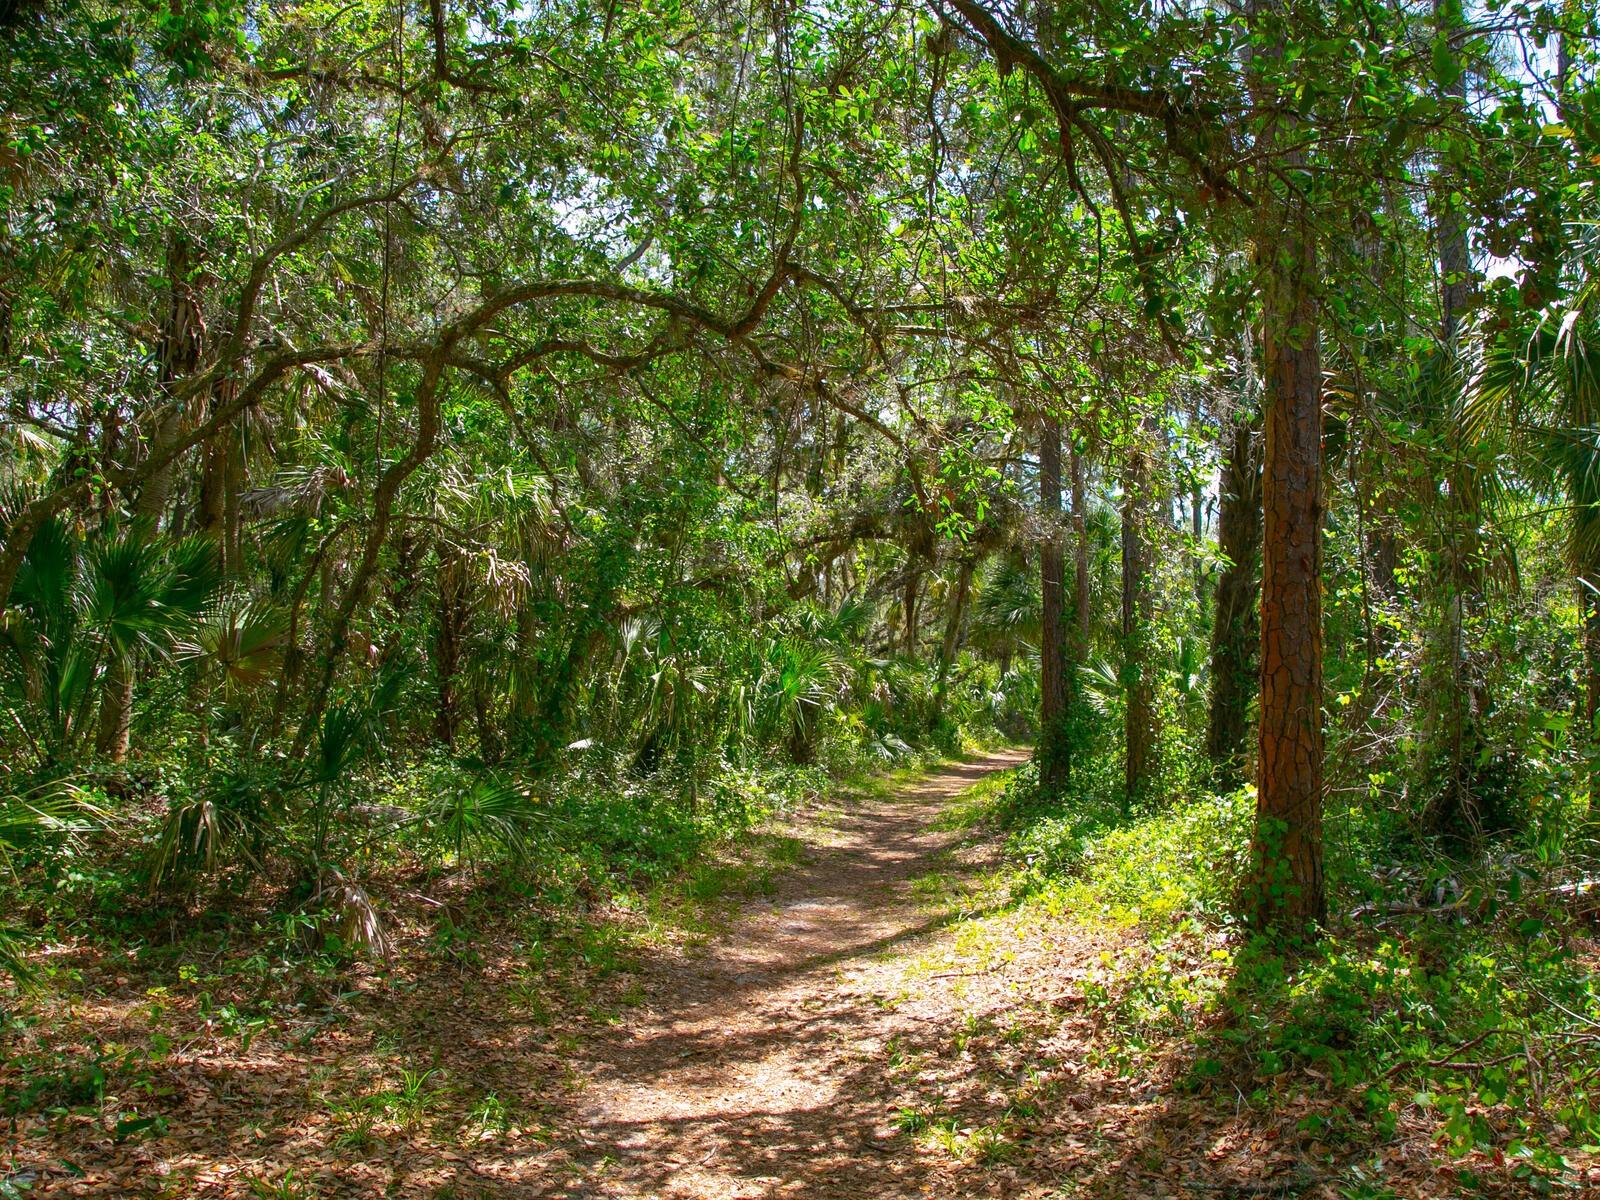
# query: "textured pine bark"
x,y
1287,878
1285,891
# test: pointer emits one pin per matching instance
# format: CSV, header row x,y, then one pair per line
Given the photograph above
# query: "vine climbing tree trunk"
x,y
450,632
1081,612
1456,696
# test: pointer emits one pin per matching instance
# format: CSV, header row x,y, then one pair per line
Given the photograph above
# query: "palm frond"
x,y
490,812
228,823
242,637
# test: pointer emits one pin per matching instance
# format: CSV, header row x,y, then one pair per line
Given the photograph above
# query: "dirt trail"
x,y
753,1070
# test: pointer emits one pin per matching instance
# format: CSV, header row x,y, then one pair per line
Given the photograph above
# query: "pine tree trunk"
x,y
1287,881
1286,891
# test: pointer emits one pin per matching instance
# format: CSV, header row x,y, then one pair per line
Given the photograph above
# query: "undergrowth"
x,y
1457,995
543,905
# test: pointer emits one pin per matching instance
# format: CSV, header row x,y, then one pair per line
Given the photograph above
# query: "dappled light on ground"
x,y
888,1019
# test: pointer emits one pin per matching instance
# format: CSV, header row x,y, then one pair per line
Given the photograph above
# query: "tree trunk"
x,y
1054,754
1197,518
177,358
1589,606
1138,728
450,630
1455,262
909,604
1081,595
952,635
1235,633
233,479
1286,889
377,533
1287,883
208,516
179,354
116,710
1456,697
1588,586
489,747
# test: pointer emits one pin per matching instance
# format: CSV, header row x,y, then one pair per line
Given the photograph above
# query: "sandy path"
x,y
753,1069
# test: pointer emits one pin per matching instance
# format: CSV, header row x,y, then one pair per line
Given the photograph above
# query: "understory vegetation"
x,y
1442,1034
478,478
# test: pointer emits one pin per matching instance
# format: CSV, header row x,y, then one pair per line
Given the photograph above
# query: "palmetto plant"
x,y
141,593
55,812
1006,613
489,812
47,656
1541,395
800,682
84,614
241,638
1103,686
242,815
229,822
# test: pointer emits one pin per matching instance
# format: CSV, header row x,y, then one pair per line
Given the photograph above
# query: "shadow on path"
x,y
753,1070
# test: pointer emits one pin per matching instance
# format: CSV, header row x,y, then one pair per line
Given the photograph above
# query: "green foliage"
x,y
1183,861
44,818
528,447
1481,1016
470,816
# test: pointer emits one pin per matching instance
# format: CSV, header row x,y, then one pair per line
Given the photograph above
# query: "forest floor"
x,y
878,1019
